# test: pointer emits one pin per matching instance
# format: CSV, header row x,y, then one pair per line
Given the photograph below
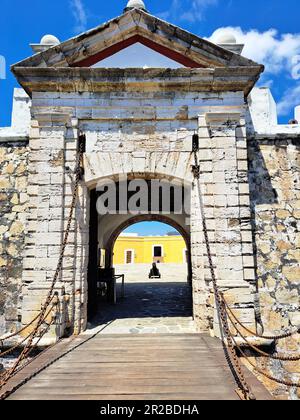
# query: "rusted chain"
x,y
221,307
19,331
261,372
18,344
238,373
20,366
11,349
41,318
8,374
263,353
274,337
50,362
78,174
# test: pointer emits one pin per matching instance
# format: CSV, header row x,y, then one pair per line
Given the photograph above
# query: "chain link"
x,y
43,313
238,372
16,367
263,373
9,337
271,337
224,312
263,353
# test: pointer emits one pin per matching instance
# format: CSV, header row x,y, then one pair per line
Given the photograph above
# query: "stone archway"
x,y
167,302
105,229
151,218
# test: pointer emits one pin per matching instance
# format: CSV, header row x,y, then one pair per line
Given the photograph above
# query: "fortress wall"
x,y
274,174
13,204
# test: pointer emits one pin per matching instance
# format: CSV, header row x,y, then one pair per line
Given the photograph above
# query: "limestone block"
x,y
243,165
249,274
248,261
239,295
229,262
242,154
246,316
225,143
245,213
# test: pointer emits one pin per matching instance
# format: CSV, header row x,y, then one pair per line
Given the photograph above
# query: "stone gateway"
x,y
139,123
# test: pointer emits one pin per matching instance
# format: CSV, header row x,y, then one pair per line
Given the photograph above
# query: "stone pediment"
x,y
137,26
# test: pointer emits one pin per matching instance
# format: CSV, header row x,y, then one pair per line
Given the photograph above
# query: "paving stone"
x,y
149,306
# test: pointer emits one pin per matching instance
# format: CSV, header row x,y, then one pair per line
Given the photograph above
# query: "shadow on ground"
x,y
150,306
149,300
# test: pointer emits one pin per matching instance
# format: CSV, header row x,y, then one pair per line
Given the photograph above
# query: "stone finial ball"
x,y
138,4
49,40
226,38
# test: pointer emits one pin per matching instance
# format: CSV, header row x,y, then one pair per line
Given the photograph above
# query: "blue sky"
x,y
270,29
150,228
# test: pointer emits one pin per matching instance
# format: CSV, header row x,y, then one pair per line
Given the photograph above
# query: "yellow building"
x,y
148,249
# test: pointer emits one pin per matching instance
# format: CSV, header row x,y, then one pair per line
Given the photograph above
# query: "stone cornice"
x,y
80,79
80,50
213,117
274,137
53,117
14,139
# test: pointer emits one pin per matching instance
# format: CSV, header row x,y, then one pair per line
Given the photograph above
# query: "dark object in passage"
x,y
154,272
107,284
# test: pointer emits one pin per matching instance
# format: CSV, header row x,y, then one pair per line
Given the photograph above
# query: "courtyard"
x,y
154,306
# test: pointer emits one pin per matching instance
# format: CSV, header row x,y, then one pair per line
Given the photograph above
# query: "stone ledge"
x,y
234,79
255,341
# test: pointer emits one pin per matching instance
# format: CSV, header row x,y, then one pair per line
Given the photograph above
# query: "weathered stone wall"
x,y
144,131
275,199
13,202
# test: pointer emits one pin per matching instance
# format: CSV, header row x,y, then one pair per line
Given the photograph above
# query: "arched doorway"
x,y
104,231
157,299
167,220
140,244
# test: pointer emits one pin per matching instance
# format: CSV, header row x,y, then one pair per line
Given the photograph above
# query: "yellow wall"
x,y
173,249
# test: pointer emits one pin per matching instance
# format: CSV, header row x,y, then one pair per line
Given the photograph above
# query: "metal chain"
x,y
263,373
27,362
239,375
11,372
18,332
263,353
11,349
272,337
41,318
18,344
222,307
50,362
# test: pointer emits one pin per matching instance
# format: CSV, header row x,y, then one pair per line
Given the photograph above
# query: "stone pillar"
x,y
225,189
52,159
202,313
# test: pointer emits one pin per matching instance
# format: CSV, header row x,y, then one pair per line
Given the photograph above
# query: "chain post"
x,y
43,313
244,390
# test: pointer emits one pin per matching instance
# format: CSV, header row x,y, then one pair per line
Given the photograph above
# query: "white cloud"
x,y
270,48
290,100
80,15
280,55
190,10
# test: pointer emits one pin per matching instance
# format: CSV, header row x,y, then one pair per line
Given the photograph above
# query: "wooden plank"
x,y
119,390
127,382
150,367
128,374
132,397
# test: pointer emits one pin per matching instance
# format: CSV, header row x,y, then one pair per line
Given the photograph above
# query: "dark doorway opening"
x,y
146,301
